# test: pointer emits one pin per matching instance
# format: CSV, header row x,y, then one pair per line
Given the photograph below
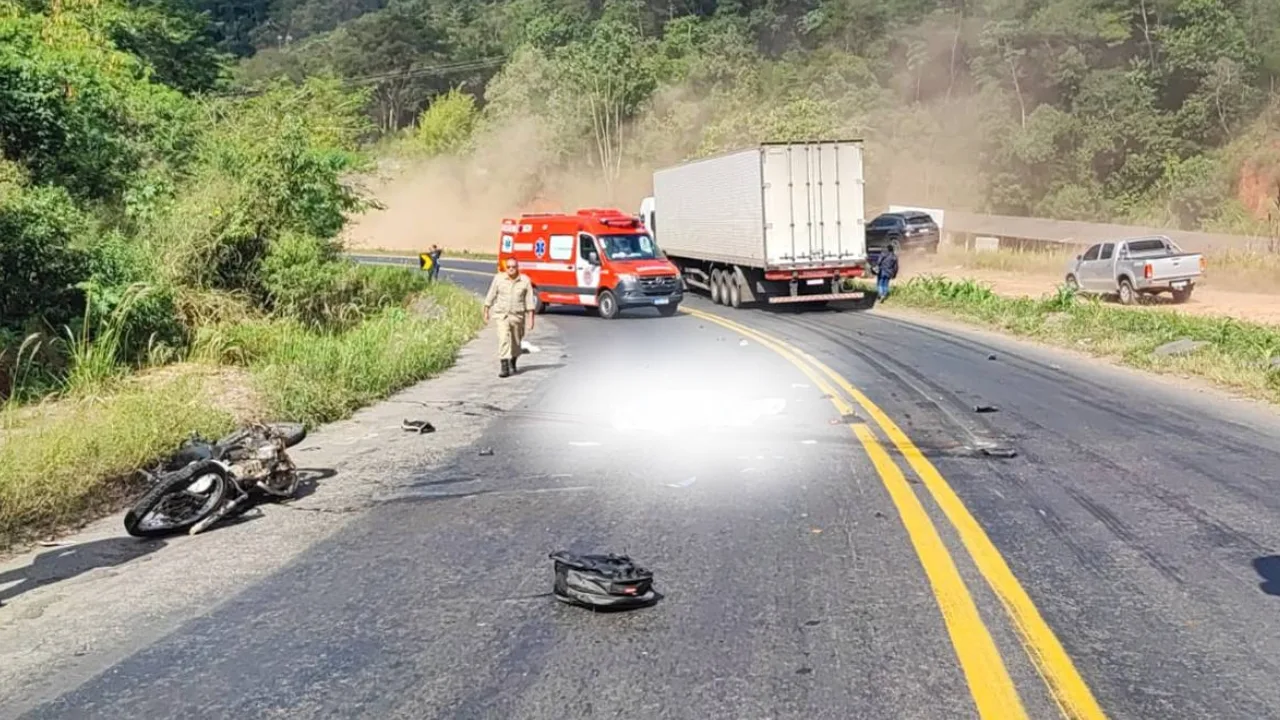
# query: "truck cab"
x,y
601,259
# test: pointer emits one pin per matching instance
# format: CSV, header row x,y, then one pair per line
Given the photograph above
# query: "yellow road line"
x,y
992,689
1069,690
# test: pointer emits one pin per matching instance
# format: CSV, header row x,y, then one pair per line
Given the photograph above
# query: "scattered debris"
x,y
992,356
985,408
850,418
804,671
812,623
999,452
527,347
834,421
815,531
485,452
683,483
50,543
880,514
1185,346
593,581
422,427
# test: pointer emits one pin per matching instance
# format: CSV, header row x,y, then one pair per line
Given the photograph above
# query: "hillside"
x,y
1076,109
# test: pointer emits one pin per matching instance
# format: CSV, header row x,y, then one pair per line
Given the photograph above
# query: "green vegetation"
x,y
1161,112
169,255
1239,355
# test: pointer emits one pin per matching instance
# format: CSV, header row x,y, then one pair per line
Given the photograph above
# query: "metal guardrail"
x,y
968,229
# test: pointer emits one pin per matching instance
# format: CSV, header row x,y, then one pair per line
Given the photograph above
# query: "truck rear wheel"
x,y
1181,296
1126,293
715,287
734,290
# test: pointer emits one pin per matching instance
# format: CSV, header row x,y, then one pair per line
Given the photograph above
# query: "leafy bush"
x,y
40,256
446,125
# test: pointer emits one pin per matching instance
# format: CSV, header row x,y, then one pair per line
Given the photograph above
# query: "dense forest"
x,y
174,157
1151,111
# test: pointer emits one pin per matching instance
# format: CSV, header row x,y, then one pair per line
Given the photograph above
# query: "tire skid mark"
x,y
1122,531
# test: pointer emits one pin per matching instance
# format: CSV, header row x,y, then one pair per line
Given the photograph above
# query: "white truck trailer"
x,y
779,223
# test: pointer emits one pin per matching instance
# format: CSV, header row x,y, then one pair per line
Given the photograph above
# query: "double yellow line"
x,y
993,690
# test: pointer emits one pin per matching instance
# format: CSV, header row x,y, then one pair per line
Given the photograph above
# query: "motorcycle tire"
x,y
291,433
173,483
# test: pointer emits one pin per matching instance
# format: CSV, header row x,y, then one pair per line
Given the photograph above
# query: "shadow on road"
x,y
64,563
1268,568
309,480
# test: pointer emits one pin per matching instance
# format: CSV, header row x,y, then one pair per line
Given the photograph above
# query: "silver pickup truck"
x,y
1136,266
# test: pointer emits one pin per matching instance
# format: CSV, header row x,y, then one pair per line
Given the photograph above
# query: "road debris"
x,y
683,483
527,347
991,356
422,427
485,452
999,452
985,408
602,581
743,343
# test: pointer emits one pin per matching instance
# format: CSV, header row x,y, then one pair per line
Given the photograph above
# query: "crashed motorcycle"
x,y
206,481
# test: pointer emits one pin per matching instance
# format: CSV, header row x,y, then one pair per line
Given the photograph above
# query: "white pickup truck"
x,y
1136,266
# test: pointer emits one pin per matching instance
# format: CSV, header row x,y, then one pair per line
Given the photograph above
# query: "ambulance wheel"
x,y
608,305
715,286
539,307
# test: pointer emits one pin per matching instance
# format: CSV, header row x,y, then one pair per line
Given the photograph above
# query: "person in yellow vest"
x,y
510,303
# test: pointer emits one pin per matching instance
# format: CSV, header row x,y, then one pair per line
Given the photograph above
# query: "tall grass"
x,y
63,461
1238,355
57,460
315,376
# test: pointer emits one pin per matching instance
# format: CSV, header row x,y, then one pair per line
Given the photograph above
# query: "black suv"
x,y
910,230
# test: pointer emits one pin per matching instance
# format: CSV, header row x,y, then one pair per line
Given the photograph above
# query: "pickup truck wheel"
x,y
608,305
715,286
1073,284
1181,296
1127,295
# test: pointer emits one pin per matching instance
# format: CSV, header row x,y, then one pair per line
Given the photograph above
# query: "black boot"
x,y
513,365
506,369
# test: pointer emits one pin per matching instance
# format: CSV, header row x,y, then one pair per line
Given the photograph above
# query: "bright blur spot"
x,y
657,414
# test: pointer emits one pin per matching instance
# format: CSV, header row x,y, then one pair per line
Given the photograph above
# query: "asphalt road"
x,y
824,551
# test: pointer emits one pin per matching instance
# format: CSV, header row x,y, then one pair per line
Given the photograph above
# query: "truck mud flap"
x,y
828,297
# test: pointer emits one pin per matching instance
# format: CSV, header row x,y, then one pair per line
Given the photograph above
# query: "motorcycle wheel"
x,y
173,492
291,433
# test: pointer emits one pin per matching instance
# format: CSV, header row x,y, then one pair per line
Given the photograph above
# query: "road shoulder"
x,y
74,609
1169,388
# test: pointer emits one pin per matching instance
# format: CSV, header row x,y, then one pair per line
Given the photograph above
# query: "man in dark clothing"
x,y
435,254
887,271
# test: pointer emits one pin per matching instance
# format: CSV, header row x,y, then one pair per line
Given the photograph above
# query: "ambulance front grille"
x,y
661,285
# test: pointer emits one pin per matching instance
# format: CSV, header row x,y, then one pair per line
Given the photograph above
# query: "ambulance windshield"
x,y
629,247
